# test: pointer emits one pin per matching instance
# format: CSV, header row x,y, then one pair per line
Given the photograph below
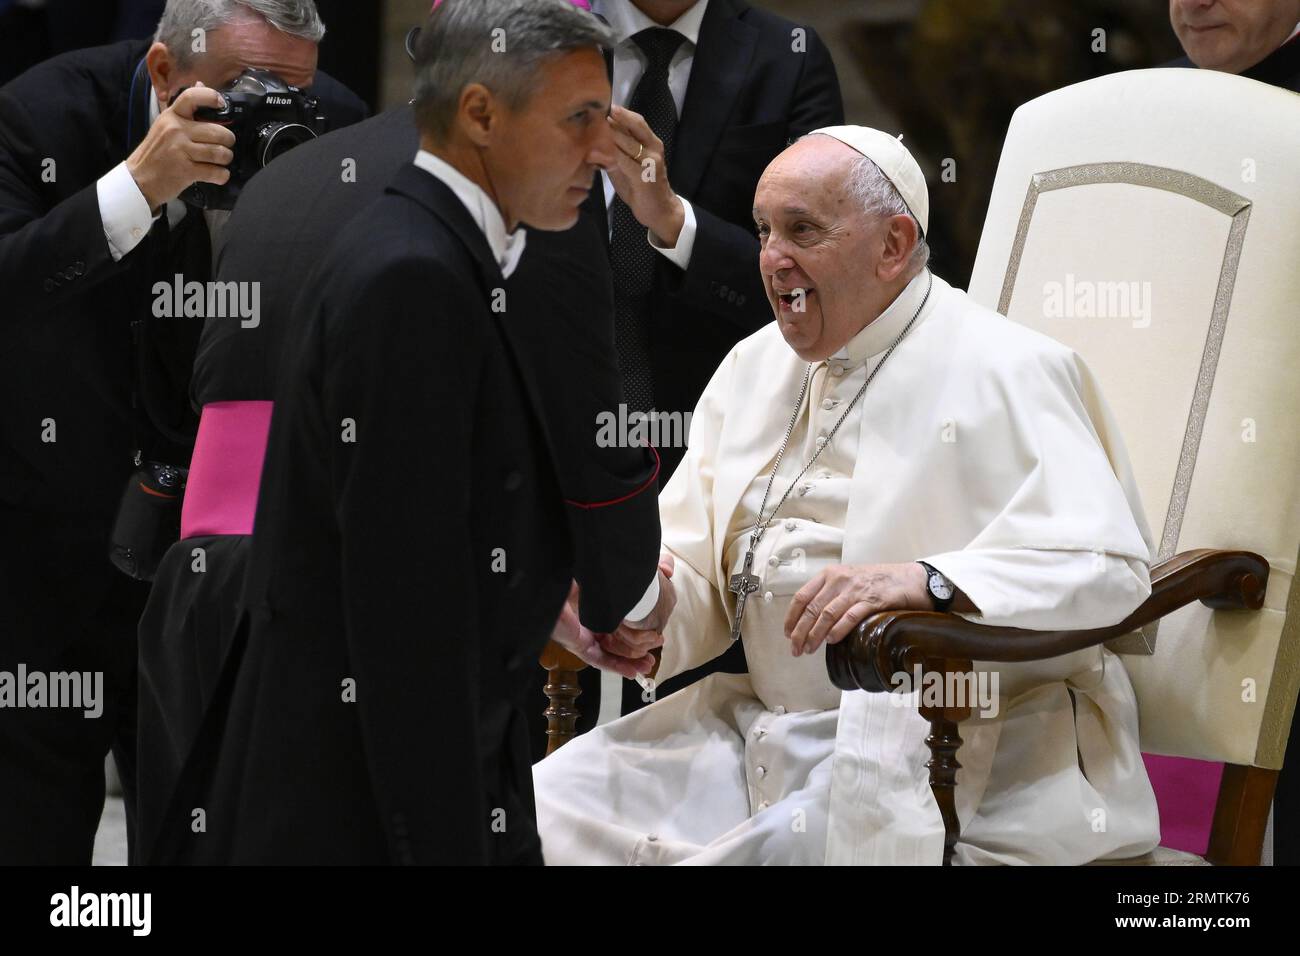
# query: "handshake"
x,y
629,650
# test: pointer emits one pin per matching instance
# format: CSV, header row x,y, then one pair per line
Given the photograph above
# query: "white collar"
x,y
506,247
626,20
880,332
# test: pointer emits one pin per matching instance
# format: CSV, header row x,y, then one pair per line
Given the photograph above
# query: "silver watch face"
x,y
940,586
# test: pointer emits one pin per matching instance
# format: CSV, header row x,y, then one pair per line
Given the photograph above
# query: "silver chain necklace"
x,y
746,582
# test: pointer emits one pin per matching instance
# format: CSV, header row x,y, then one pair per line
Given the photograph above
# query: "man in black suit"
x,y
95,146
412,549
561,300
713,90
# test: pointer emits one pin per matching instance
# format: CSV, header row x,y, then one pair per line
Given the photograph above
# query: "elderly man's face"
x,y
544,156
816,237
1232,35
231,49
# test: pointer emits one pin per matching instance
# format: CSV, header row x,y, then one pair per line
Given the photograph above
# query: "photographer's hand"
x,y
180,150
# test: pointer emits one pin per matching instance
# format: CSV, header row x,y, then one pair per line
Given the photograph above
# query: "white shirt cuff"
x,y
123,210
680,254
647,602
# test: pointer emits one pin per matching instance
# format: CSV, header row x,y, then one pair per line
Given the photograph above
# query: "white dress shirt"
x,y
126,214
506,247
629,64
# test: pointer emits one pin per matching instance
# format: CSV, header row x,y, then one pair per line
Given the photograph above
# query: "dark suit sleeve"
x,y
725,256
610,491
42,249
402,497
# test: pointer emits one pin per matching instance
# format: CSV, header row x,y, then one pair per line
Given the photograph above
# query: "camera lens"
x,y
276,139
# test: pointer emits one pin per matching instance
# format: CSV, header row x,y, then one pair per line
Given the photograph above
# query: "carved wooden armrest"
x,y
896,642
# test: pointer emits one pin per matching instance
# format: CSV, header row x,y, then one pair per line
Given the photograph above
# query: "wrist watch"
x,y
940,588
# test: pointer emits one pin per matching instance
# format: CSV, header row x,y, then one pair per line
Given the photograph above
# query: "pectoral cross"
x,y
742,585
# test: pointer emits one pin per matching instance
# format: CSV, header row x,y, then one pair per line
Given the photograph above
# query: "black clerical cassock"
x,y
411,553
559,316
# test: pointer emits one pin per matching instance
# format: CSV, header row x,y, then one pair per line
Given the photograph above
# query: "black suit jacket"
x,y
750,95
65,335
559,306
425,561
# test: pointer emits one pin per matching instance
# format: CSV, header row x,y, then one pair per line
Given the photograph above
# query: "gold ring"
x,y
639,151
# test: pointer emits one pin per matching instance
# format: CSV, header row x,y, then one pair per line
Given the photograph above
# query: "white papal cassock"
x,y
982,448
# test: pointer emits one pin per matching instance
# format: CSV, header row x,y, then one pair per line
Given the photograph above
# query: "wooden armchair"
x,y
897,642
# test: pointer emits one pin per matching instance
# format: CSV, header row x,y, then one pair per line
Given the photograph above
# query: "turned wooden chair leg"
x,y
562,691
944,741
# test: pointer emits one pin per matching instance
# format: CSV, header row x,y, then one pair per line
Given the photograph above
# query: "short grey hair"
x,y
297,18
461,43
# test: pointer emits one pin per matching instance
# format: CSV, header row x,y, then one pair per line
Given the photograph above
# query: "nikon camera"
x,y
268,117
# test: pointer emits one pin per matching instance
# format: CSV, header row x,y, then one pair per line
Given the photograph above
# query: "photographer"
x,y
96,149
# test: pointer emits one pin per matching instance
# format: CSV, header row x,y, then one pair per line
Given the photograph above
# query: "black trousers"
x,y
64,609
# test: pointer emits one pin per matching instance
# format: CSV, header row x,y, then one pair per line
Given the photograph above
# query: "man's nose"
x,y
601,148
774,257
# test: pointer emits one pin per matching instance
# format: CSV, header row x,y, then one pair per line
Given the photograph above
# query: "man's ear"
x,y
163,71
477,114
901,238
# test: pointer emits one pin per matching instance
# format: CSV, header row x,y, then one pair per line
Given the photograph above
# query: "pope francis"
x,y
886,443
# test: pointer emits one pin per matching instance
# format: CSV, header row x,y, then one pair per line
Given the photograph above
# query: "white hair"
x,y
880,198
297,18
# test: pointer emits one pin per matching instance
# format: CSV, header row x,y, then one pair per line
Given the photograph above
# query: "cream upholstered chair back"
x,y
1150,220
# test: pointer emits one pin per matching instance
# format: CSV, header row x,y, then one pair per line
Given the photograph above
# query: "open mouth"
x,y
796,300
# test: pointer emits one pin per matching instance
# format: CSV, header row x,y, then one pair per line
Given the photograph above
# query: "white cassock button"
x,y
760,771
836,370
821,440
767,597
778,710
763,804
652,837
804,489
135,233
774,560
790,525
827,404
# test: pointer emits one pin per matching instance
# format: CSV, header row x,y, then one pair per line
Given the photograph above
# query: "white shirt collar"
x,y
506,247
626,20
880,332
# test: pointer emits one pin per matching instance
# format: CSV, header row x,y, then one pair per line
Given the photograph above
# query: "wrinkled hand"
x,y
586,645
657,619
180,150
642,182
842,596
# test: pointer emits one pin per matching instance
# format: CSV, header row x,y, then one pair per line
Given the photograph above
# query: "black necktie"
x,y
632,258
